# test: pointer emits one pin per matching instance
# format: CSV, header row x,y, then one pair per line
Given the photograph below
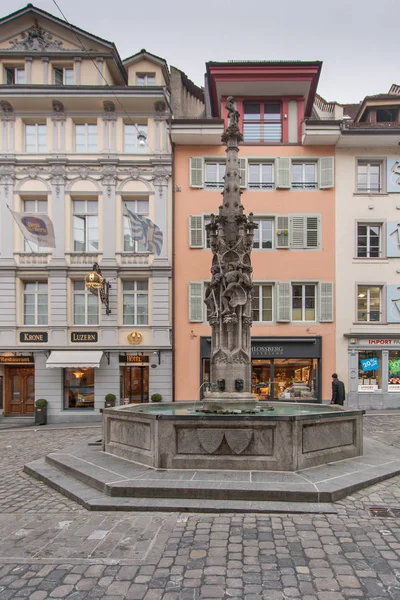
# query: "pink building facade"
x,y
289,187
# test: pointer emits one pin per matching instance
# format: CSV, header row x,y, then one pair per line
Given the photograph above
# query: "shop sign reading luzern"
x,y
14,360
84,336
33,336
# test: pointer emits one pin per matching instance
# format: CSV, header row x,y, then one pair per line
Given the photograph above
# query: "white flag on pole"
x,y
36,227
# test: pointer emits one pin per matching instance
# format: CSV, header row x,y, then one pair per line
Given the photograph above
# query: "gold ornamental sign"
x,y
134,337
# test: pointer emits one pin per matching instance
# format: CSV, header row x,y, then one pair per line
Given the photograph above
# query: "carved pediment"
x,y
35,39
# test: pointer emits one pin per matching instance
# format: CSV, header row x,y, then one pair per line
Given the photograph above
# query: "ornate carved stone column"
x,y
109,180
7,176
58,178
228,297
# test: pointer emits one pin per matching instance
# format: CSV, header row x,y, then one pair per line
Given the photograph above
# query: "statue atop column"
x,y
229,295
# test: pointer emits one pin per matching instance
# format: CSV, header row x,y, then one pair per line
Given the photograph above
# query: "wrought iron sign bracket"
x,y
99,286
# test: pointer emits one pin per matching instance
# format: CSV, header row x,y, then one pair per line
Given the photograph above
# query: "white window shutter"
x,y
284,173
284,295
196,171
392,239
282,232
196,231
196,302
325,302
313,231
243,172
297,233
326,172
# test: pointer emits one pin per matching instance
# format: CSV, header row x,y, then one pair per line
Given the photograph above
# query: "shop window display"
x,y
369,371
394,371
78,388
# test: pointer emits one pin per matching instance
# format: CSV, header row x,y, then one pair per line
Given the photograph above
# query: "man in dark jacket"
x,y
338,391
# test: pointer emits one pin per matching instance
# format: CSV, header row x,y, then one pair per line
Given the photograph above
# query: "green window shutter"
x,y
325,302
196,171
196,302
243,172
297,231
284,295
284,173
313,232
196,231
326,172
282,232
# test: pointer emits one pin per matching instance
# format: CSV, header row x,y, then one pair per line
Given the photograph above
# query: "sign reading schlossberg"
x,y
84,336
33,336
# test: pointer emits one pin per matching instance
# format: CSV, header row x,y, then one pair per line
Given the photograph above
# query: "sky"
x,y
357,40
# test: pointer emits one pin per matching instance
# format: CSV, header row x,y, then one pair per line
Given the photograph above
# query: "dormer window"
x,y
145,79
64,76
262,122
15,75
386,115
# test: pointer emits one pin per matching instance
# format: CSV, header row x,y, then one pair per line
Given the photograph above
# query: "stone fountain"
x,y
230,429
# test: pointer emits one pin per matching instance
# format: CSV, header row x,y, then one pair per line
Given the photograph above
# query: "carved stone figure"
x,y
35,40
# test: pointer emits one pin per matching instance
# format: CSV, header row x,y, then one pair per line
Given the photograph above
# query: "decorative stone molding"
x,y
237,440
109,107
58,106
35,39
7,176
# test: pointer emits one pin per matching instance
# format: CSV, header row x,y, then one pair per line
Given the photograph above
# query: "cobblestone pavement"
x,y
51,548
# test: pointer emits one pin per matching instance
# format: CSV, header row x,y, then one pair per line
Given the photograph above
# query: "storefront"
x,y
283,368
374,371
17,383
134,378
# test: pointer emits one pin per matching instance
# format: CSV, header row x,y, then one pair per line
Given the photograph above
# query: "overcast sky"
x,y
357,40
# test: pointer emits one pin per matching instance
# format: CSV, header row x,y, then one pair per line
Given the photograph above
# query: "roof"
x,y
263,62
145,54
30,8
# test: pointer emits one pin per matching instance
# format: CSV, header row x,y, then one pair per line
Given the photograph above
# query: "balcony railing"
x,y
260,185
304,185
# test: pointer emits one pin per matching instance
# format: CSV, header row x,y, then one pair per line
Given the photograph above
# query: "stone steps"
x,y
94,500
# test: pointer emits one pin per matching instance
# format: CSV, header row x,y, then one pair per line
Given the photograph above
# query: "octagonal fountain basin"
x,y
277,437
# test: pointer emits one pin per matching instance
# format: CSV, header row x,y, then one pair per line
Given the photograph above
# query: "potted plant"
x,y
41,412
156,398
110,400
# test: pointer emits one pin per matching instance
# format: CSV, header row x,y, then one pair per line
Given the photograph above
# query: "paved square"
x,y
52,548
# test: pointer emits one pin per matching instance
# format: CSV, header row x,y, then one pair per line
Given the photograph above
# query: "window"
x,y
132,143
64,76
145,79
86,137
386,115
86,226
214,175
35,303
78,388
303,302
35,138
369,177
34,206
260,176
15,75
262,122
86,305
262,303
264,235
136,302
394,371
368,303
369,370
304,176
138,207
369,240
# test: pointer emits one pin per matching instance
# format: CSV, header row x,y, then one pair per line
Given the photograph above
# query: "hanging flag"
x,y
145,231
36,227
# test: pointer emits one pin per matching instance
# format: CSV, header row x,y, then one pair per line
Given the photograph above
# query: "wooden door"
x,y
19,390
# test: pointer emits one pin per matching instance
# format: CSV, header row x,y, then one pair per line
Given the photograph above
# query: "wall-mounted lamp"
x,y
155,359
371,206
142,138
